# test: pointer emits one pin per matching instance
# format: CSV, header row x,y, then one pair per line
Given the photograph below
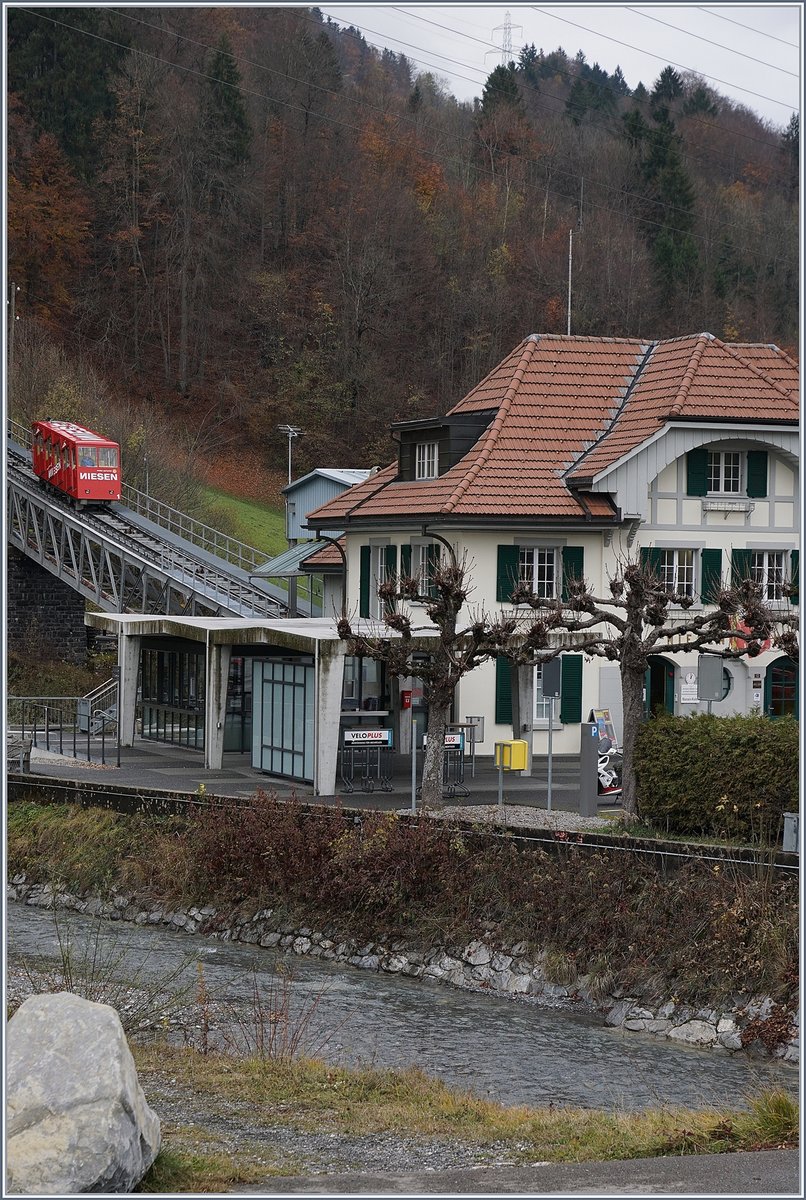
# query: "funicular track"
x,y
119,561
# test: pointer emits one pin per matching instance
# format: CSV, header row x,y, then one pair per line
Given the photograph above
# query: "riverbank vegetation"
x,y
698,932
315,1097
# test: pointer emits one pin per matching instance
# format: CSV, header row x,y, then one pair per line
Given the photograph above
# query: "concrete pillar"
x,y
329,688
129,663
217,661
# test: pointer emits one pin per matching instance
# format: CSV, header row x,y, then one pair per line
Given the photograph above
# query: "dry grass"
x,y
310,1095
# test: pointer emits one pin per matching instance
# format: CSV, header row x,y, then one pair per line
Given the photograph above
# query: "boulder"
x,y
76,1117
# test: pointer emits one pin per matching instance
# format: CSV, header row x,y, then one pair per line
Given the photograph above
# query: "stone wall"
x,y
44,615
747,1023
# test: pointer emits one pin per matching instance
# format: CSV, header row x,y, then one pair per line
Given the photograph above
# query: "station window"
x,y
767,570
724,472
538,570
676,569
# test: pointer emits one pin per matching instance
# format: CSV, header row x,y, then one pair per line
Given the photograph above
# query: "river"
x,y
512,1051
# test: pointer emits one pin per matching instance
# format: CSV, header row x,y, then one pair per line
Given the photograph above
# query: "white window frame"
x,y
675,572
537,566
718,472
377,576
420,563
770,576
426,460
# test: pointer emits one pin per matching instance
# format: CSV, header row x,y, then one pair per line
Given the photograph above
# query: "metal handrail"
x,y
205,537
53,722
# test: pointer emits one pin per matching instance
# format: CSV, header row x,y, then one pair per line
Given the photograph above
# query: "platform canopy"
x,y
288,564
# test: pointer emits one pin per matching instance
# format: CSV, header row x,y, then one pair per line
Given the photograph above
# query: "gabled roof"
x,y
346,475
566,408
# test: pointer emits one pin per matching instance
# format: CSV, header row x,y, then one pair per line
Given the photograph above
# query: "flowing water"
x,y
511,1051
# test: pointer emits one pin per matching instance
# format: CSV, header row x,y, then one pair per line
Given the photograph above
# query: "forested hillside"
x,y
227,218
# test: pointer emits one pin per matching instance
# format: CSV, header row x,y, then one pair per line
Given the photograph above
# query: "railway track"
x,y
120,560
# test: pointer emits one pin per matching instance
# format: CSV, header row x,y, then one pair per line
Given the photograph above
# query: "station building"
x,y
573,456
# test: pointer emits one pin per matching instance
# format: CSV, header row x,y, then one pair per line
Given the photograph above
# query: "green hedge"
x,y
719,776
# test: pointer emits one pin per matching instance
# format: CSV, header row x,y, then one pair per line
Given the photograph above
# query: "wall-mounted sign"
x,y
368,737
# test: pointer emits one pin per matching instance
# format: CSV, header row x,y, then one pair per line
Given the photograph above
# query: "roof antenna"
x,y
571,248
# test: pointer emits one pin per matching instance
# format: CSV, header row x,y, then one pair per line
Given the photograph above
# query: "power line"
x,y
749,28
354,129
638,12
375,108
540,92
660,58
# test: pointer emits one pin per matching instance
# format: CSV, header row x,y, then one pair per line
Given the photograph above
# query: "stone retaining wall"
x,y
749,1024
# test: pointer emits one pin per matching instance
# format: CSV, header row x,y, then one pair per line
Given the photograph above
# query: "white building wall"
x,y
673,519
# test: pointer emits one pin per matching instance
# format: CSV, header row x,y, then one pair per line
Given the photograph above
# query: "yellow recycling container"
x,y
511,755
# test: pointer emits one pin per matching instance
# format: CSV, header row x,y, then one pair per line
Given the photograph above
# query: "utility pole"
x,y
12,317
571,247
570,261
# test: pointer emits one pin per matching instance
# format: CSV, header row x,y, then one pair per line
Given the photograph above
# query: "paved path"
x,y
165,767
759,1173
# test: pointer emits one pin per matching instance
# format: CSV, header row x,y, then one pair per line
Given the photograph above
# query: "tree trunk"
x,y
632,693
431,796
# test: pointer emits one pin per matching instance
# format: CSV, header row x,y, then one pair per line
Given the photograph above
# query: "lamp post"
x,y
290,431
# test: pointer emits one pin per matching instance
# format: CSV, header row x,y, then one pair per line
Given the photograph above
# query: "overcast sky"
x,y
749,52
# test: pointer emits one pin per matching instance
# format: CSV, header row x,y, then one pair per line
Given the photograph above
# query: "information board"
x,y
453,741
604,724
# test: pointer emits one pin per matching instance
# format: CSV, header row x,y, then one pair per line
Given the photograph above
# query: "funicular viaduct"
x,y
165,583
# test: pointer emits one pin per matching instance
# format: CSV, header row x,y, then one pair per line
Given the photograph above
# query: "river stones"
x,y
76,1117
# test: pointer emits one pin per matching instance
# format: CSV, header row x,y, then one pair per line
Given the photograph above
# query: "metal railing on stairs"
x,y
71,726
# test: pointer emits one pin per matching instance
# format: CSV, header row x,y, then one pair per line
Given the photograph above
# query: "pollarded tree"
x,y
460,648
635,621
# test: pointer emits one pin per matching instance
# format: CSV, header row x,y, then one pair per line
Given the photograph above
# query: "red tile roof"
x,y
328,556
567,408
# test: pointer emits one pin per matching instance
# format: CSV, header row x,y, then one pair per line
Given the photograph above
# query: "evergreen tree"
x,y
700,102
501,90
668,86
640,94
63,74
790,144
578,102
635,128
224,115
619,83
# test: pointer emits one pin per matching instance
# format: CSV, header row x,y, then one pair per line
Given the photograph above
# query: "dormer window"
x,y
724,472
426,462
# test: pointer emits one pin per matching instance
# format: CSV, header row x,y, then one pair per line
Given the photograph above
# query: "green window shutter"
x,y
390,561
739,566
432,554
757,473
503,691
711,576
795,578
573,566
405,561
697,472
571,689
650,558
508,572
363,584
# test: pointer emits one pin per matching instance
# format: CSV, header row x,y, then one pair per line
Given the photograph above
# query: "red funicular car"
x,y
76,461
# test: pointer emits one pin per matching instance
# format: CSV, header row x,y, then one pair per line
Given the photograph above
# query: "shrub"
x,y
720,776
697,932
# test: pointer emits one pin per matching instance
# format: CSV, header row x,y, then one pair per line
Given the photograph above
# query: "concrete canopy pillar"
x,y
216,673
129,664
329,688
